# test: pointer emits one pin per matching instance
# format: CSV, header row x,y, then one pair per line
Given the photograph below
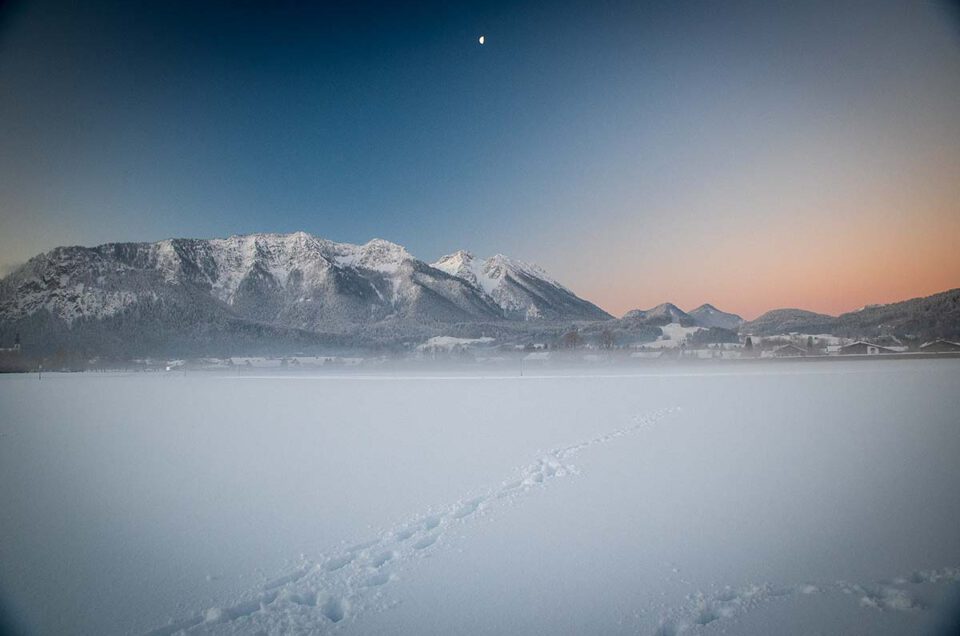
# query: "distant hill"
x,y
780,321
927,318
707,315
645,325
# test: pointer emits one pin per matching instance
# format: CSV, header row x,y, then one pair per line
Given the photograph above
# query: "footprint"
x,y
468,508
425,542
378,579
305,598
293,577
404,534
513,485
670,628
706,616
382,558
177,627
224,614
336,563
335,609
432,522
360,547
535,478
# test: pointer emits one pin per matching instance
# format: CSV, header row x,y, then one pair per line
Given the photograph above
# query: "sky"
x,y
752,155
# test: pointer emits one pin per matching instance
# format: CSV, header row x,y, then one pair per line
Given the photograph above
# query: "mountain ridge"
x,y
293,283
922,317
297,290
522,290
706,316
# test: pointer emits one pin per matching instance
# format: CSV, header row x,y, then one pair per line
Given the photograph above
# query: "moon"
x,y
482,38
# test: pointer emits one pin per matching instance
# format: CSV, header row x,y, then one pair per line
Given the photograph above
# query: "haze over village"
x,y
301,299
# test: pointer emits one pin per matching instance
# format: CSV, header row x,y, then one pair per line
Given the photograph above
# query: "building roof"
x,y
940,341
789,346
865,343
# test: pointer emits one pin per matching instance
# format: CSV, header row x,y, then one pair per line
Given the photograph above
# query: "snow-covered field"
x,y
805,498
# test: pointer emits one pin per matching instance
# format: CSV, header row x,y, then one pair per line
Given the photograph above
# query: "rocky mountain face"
x,y
290,288
521,290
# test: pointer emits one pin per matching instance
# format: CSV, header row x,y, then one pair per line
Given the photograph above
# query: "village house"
x,y
788,351
940,346
863,348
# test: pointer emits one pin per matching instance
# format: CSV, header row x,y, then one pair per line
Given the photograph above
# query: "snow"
x,y
537,356
489,275
771,498
224,264
447,343
465,265
493,276
311,283
377,254
674,335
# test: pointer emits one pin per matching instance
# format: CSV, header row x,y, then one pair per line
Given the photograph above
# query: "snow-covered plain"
x,y
780,498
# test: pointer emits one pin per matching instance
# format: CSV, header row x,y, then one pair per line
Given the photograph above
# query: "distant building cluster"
x,y
573,346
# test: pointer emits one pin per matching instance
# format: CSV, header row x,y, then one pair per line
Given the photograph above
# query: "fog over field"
x,y
791,498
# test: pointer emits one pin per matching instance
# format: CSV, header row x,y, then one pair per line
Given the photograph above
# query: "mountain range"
x,y
706,316
280,292
275,289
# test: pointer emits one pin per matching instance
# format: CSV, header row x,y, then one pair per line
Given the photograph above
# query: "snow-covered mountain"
x,y
521,290
296,280
293,286
662,314
707,315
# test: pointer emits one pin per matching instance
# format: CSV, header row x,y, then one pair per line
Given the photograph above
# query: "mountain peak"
x,y
521,289
457,259
706,315
662,314
376,254
461,264
666,307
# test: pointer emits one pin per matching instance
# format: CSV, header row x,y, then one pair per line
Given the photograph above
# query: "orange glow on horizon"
x,y
891,245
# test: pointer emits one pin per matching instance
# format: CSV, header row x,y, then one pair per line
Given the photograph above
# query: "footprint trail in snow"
x,y
722,605
319,596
